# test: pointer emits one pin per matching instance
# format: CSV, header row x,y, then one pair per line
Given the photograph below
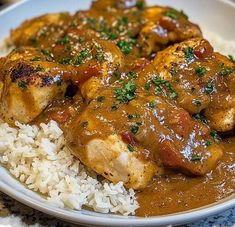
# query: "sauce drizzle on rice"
x,y
38,157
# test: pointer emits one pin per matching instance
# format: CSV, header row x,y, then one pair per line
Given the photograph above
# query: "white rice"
x,y
38,157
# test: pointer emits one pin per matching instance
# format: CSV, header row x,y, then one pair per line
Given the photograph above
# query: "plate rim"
x,y
76,217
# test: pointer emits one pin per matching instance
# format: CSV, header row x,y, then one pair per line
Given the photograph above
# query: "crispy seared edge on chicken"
x,y
29,84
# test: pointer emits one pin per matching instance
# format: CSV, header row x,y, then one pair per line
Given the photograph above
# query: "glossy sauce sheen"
x,y
111,75
175,192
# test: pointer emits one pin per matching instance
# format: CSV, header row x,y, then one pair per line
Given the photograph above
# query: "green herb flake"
x,y
196,157
130,148
22,85
173,71
225,71
84,124
66,61
231,58
132,75
84,54
100,55
39,69
147,86
126,93
197,102
172,13
114,107
209,88
126,47
134,129
100,98
140,5
64,40
208,143
152,104
215,136
123,20
130,117
36,58
46,52
184,14
188,52
200,118
200,71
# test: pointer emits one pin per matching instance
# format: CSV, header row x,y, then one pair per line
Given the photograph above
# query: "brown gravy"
x,y
176,193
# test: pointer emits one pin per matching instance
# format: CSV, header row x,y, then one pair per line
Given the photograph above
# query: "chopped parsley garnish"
x,y
147,86
82,56
231,58
39,69
200,118
64,40
188,52
123,20
126,93
132,75
22,84
134,129
100,55
173,71
152,104
84,124
196,157
130,147
184,14
129,116
46,52
91,22
126,47
114,107
197,102
36,58
172,13
66,60
140,5
208,143
209,88
215,136
170,91
200,71
100,98
225,71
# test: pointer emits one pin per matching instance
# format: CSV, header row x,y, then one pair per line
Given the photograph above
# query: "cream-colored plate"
x,y
218,16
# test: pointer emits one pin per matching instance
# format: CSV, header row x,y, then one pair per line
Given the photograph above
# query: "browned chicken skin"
x,y
124,116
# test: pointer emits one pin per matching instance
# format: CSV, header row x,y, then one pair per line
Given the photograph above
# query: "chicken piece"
x,y
29,84
41,31
202,79
146,134
164,26
92,56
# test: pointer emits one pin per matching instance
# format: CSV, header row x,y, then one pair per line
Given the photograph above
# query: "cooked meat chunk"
x,y
41,31
28,85
202,79
147,131
164,26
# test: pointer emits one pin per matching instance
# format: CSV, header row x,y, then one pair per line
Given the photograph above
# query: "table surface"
x,y
13,213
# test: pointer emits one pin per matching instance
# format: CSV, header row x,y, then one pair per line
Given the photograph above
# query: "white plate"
x,y
216,15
